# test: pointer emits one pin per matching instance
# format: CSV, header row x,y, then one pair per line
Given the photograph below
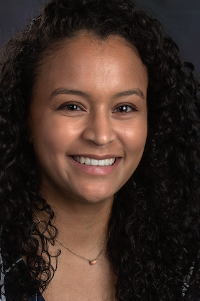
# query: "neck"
x,y
82,227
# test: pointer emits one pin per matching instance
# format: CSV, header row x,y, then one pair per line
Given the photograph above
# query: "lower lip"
x,y
96,170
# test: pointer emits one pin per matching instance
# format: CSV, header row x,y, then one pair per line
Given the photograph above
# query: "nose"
x,y
99,129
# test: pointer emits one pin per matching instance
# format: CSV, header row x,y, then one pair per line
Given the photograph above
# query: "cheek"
x,y
48,136
134,138
53,137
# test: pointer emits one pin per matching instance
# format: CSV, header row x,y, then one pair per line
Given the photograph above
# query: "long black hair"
x,y
154,226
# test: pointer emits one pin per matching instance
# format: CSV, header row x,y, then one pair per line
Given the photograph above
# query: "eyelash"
x,y
132,108
119,109
64,106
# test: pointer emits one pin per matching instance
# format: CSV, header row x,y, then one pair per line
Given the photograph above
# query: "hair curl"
x,y
154,226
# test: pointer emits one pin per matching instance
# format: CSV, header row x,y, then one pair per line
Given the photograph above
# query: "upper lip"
x,y
97,157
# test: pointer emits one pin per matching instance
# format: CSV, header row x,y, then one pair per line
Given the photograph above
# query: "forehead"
x,y
94,45
89,60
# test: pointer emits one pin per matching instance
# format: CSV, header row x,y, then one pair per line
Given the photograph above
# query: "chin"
x,y
96,198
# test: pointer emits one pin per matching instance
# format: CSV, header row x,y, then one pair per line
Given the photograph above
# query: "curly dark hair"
x,y
154,236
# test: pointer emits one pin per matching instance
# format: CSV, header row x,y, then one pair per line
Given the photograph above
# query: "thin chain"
x,y
91,261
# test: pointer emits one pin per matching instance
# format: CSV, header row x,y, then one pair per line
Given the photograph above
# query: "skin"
x,y
109,119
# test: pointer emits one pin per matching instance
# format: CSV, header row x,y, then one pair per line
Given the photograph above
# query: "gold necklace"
x,y
91,261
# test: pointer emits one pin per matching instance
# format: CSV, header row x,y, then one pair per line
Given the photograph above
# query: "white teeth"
x,y
101,162
82,160
107,162
111,161
94,162
87,161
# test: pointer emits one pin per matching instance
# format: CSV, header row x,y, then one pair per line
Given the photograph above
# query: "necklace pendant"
x,y
93,262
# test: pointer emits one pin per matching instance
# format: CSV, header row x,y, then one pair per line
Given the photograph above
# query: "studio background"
x,y
181,18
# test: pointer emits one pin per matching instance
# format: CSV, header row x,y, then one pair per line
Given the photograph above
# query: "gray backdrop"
x,y
181,18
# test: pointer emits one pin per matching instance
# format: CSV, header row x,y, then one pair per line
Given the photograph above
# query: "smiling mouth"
x,y
94,162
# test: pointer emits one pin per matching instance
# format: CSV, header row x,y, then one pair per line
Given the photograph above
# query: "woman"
x,y
99,158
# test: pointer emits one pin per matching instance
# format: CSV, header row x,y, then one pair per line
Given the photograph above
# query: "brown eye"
x,y
125,109
70,107
73,107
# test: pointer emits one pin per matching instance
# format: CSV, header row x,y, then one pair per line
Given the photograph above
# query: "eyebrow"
x,y
61,90
136,91
68,91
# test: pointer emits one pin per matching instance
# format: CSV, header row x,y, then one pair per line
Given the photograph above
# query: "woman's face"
x,y
88,118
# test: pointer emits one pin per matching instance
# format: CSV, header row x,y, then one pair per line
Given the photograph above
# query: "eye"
x,y
73,107
70,107
125,109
